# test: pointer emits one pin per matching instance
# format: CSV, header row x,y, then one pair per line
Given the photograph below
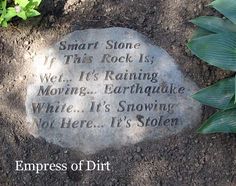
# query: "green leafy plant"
x,y
23,9
214,42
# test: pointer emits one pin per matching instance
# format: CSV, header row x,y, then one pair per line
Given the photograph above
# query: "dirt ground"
x,y
184,159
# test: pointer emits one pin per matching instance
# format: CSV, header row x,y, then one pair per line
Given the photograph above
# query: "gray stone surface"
x,y
111,87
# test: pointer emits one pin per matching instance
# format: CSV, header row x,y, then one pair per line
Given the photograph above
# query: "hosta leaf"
x,y
214,24
216,49
227,8
235,89
200,32
218,95
231,103
222,121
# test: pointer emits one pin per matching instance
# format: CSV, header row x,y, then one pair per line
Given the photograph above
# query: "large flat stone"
x,y
111,87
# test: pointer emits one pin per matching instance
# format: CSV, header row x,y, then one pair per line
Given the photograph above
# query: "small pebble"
x,y
138,149
26,43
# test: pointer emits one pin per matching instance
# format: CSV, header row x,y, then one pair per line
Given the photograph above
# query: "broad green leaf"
x,y
227,8
11,12
36,2
222,121
22,3
33,4
214,24
217,49
200,32
22,15
32,13
218,95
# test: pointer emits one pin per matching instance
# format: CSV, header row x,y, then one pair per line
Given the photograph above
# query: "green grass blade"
x,y
227,8
214,24
222,121
218,95
217,49
200,32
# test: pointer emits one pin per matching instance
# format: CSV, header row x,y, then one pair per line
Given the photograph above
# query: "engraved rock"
x,y
101,88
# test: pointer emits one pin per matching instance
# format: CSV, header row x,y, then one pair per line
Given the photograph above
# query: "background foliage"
x,y
23,9
215,43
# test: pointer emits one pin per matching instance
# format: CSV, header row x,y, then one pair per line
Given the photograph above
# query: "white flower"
x,y
17,8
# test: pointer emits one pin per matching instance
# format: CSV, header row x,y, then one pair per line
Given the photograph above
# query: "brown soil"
x,y
184,159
